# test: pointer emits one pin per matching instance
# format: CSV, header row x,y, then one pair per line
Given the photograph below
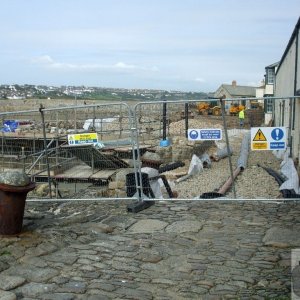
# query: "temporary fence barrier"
x,y
158,150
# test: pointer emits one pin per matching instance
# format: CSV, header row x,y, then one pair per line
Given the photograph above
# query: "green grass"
x,y
5,252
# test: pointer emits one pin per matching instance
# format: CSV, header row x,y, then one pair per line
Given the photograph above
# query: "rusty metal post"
x,y
227,144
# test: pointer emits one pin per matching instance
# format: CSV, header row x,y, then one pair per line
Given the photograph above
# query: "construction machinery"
x,y
205,108
254,104
235,109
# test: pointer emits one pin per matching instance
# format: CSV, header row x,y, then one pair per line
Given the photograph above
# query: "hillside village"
x,y
27,91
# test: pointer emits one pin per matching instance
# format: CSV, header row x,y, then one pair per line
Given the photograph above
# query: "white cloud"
x,y
43,59
200,79
121,65
47,62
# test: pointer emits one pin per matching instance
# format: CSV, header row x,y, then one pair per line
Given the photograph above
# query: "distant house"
x,y
287,111
233,90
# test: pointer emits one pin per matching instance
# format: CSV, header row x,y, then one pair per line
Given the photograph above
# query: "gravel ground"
x,y
253,183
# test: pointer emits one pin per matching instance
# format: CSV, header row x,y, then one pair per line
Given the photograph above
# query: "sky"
x,y
184,45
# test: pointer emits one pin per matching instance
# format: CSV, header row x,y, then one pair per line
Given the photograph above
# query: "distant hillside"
x,y
92,93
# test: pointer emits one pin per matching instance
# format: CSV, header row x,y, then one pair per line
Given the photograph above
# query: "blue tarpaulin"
x,y
9,126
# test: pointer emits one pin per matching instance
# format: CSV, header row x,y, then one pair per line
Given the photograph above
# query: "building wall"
x,y
259,92
219,93
296,132
298,62
286,74
285,86
269,89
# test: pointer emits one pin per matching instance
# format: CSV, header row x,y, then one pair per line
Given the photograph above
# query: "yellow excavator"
x,y
205,108
235,109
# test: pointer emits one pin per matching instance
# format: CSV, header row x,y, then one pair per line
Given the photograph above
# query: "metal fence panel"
x,y
147,150
21,136
205,169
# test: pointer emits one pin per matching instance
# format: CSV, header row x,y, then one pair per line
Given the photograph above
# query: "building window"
x,y
270,76
268,105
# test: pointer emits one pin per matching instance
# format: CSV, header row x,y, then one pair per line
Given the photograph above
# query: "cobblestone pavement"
x,y
172,250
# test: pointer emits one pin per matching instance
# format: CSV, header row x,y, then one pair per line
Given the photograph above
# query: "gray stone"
x,y
3,266
151,156
148,257
198,290
59,280
148,226
10,282
179,208
121,175
33,289
163,281
61,256
184,226
32,273
7,295
104,244
134,293
97,296
243,278
76,287
57,296
124,267
34,261
102,286
283,237
14,178
42,249
224,288
100,228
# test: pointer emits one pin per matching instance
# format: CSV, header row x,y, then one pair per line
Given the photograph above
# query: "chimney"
x,y
234,83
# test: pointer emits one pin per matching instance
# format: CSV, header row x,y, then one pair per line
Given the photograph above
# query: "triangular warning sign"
x,y
259,136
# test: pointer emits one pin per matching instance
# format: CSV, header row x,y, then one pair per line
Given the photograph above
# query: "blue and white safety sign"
x,y
204,134
268,138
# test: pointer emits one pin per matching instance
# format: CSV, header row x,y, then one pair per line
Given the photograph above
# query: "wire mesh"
x,y
144,150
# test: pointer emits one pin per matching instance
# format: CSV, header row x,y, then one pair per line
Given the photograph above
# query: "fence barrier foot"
x,y
139,206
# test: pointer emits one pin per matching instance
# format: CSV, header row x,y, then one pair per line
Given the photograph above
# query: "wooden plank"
x,y
129,148
102,160
85,172
77,172
103,174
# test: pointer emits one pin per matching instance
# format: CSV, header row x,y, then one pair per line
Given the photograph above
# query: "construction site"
x,y
100,151
125,202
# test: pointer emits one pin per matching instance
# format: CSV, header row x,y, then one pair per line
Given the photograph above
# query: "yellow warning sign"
x,y
259,136
260,146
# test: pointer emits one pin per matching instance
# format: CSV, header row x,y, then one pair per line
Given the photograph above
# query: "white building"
x,y
287,111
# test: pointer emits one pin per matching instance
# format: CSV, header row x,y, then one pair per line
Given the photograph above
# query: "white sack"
x,y
154,184
196,165
289,171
